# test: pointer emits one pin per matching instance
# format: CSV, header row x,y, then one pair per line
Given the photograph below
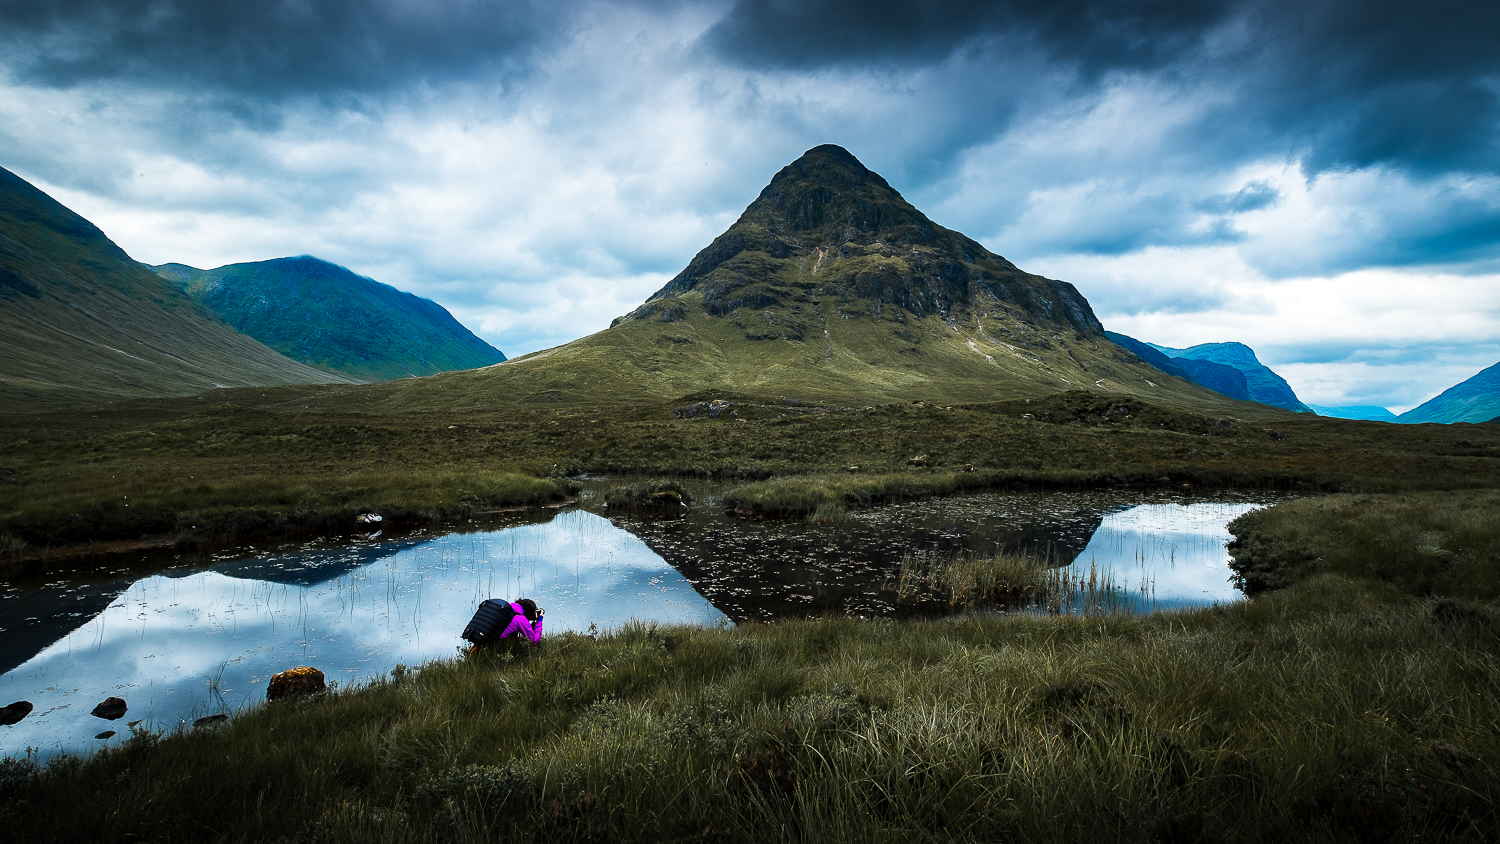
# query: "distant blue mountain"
x,y
1474,400
1374,413
1264,385
1218,377
1148,354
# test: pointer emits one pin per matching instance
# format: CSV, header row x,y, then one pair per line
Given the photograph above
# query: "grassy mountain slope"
x,y
1265,386
82,323
831,288
326,316
1476,399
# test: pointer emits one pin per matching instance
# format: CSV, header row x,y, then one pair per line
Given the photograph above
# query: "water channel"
x,y
204,636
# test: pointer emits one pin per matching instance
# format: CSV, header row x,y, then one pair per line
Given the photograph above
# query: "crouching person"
x,y
498,621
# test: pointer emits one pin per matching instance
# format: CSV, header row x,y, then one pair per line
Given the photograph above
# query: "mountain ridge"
x,y
1221,378
1474,399
831,287
83,323
1262,383
327,316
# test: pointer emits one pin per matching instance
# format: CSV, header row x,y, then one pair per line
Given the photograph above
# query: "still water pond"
x,y
204,638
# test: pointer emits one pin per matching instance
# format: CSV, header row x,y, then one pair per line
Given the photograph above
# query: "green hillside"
x,y
326,316
81,323
1476,399
829,288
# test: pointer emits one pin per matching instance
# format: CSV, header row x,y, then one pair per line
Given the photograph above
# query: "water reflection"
x,y
1173,547
206,638
1162,556
193,643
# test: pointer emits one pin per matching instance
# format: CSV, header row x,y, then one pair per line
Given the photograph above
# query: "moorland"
x,y
834,350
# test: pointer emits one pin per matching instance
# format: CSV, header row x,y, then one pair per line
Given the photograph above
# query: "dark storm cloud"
x,y
1339,84
1099,36
281,48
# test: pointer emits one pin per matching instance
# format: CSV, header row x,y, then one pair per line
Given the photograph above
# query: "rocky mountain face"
x,y
1476,399
326,316
832,287
81,323
828,227
1261,384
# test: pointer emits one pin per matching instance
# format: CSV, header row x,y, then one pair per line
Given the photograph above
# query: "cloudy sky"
x,y
1319,180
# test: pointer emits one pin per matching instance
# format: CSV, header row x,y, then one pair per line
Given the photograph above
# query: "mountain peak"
x,y
827,196
828,225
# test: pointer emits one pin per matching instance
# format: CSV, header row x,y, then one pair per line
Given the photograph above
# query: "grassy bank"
x,y
211,510
1443,544
1325,712
804,495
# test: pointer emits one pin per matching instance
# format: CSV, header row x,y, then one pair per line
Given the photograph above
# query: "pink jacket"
x,y
524,626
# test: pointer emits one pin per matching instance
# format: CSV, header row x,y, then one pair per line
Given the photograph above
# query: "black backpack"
x,y
489,622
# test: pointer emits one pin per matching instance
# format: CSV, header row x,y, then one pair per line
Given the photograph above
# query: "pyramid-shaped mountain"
x,y
81,323
326,316
832,287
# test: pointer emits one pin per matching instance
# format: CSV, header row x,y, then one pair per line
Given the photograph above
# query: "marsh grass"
x,y
807,495
12,546
655,497
1324,712
217,509
1006,581
1430,543
121,472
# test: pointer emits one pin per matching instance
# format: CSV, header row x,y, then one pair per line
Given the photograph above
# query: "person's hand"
x,y
540,612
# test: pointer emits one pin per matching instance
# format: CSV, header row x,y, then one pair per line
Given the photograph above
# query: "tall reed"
x,y
1006,581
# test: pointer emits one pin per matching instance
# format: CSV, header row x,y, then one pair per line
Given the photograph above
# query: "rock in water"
x,y
111,709
296,682
107,734
210,720
15,712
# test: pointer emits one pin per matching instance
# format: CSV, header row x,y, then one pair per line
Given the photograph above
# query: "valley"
x,y
832,361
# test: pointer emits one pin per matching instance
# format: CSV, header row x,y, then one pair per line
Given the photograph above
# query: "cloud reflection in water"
x,y
182,647
1175,551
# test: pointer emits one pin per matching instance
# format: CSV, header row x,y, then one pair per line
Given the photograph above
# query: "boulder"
x,y
711,409
111,709
15,712
296,682
210,720
107,734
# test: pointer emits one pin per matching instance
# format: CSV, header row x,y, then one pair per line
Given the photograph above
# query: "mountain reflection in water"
x,y
182,645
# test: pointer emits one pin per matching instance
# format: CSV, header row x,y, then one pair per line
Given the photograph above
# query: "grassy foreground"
x,y
1324,712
